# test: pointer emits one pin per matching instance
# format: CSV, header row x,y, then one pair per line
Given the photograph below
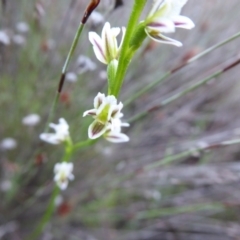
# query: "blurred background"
x,y
115,194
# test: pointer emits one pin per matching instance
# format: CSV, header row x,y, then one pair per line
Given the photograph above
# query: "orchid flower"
x,y
61,133
105,111
106,47
164,17
63,173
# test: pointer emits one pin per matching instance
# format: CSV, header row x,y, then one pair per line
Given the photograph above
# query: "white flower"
x,y
31,119
63,173
113,134
22,27
106,47
96,18
164,17
85,64
8,144
4,38
71,77
61,135
105,111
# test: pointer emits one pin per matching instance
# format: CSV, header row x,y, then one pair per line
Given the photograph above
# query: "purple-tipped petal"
x,y
96,130
91,112
161,25
163,39
98,100
117,137
97,47
183,22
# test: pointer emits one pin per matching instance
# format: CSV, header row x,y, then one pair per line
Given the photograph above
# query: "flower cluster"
x,y
107,114
165,17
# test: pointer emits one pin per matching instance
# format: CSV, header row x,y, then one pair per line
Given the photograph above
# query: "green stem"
x,y
169,73
124,58
51,206
64,69
73,47
46,217
82,144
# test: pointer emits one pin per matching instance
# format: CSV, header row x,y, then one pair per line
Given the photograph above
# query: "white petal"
x,y
183,22
123,35
163,39
96,130
161,25
125,124
98,100
115,31
63,123
71,177
91,112
156,6
176,7
109,42
117,137
56,167
50,138
63,185
98,47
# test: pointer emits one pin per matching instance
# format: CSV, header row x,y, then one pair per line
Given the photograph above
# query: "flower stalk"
x,y
125,53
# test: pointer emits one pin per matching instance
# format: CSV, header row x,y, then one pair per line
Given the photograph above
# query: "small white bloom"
x,y
85,64
106,47
19,39
63,173
105,111
96,18
164,17
22,27
8,144
31,119
61,133
71,77
4,38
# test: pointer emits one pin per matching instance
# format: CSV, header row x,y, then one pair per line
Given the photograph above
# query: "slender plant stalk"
x,y
172,158
90,8
151,85
185,91
82,144
46,217
124,58
163,212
